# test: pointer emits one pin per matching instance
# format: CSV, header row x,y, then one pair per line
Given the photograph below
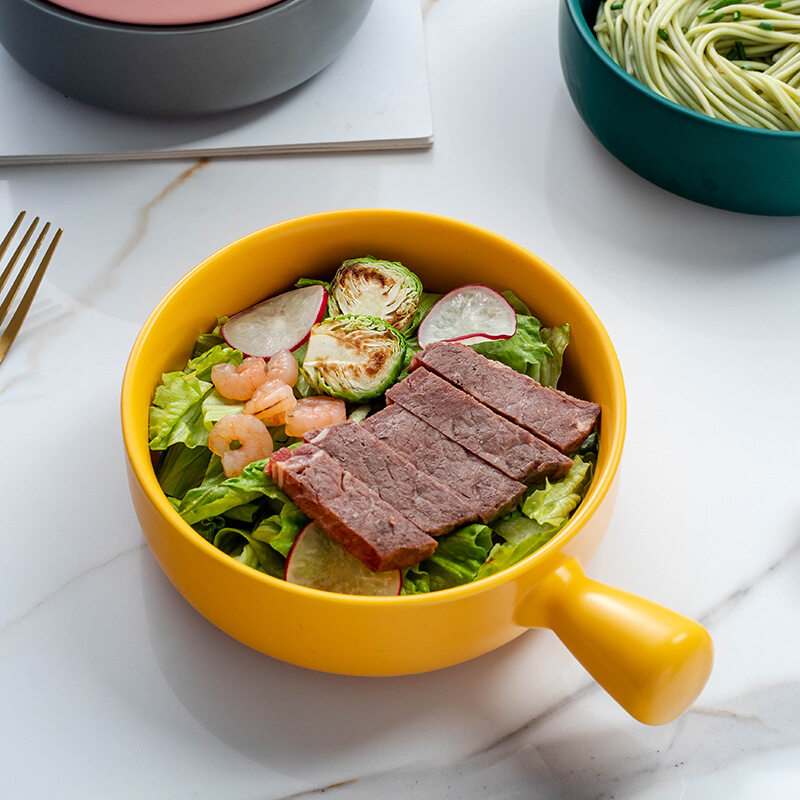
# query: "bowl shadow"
x,y
312,725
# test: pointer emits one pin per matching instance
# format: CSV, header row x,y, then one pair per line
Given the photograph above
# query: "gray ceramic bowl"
x,y
180,70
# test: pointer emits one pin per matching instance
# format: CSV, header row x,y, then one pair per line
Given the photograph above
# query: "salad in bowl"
x,y
353,433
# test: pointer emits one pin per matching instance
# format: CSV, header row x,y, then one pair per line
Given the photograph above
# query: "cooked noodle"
x,y
734,61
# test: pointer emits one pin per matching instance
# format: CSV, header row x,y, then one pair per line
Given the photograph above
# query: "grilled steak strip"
x,y
487,492
420,498
460,417
366,526
560,419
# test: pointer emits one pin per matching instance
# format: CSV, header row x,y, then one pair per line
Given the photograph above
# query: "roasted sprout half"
x,y
355,357
383,289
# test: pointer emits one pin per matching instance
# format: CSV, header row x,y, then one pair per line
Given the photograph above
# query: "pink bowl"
x,y
164,12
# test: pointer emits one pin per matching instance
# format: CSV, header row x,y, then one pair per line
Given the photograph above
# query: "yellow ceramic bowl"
x,y
651,660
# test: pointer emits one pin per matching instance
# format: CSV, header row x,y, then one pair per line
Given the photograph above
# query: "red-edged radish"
x,y
469,314
283,322
320,562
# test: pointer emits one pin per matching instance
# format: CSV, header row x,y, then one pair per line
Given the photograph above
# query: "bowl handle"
x,y
653,661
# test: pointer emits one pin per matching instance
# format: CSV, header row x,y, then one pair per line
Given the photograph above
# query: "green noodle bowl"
x,y
733,61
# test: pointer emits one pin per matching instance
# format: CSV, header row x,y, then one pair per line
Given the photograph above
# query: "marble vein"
x,y
70,582
103,281
764,719
427,5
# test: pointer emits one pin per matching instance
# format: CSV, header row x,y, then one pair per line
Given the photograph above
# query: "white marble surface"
x,y
113,687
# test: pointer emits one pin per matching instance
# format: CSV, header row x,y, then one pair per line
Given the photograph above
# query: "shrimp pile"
x,y
267,388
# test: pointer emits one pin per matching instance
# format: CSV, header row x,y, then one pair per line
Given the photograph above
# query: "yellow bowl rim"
x,y
601,483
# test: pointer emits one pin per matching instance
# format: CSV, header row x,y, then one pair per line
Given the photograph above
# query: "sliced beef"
x,y
354,515
460,417
487,492
560,419
419,497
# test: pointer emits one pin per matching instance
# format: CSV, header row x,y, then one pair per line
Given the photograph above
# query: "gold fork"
x,y
15,323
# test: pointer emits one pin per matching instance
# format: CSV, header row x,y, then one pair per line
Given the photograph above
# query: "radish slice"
x,y
469,314
320,562
283,322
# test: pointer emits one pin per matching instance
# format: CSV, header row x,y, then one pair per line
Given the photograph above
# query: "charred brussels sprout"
x,y
383,289
353,356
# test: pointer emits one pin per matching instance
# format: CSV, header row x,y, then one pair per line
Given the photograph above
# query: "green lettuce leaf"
x,y
205,341
176,412
535,351
311,282
244,548
544,512
181,468
516,303
219,354
415,581
456,560
215,407
215,498
427,301
554,503
280,530
524,537
246,513
556,339
523,351
208,528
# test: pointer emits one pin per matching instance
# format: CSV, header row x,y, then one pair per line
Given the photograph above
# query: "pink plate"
x,y
164,12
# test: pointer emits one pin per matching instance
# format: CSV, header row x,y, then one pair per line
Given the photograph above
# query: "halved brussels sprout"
x,y
353,356
383,289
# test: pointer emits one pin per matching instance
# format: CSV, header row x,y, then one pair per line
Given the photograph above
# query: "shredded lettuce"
x,y
215,498
219,354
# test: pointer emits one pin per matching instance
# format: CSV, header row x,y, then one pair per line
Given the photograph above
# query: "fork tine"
x,y
12,292
11,232
17,253
10,333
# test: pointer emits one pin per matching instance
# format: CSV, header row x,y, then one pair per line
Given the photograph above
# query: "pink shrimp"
x,y
239,383
271,401
282,366
314,412
252,436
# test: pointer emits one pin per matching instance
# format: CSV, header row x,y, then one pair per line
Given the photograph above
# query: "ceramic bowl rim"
x,y
254,5
212,26
582,25
138,453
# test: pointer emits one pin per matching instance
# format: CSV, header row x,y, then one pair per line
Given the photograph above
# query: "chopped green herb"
x,y
684,29
737,15
717,18
704,14
616,6
773,4
662,34
740,54
722,3
766,26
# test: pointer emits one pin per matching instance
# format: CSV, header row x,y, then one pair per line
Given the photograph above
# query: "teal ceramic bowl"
x,y
729,166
